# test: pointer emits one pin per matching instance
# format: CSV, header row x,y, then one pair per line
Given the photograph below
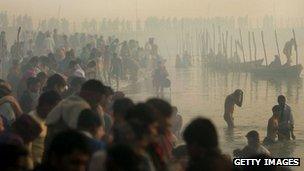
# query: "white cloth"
x,y
69,110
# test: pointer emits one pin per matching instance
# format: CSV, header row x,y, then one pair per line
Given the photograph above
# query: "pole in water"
x,y
249,43
265,55
231,47
241,39
254,46
296,46
277,44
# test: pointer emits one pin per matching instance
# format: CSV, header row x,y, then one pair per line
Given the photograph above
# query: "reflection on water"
x,y
198,91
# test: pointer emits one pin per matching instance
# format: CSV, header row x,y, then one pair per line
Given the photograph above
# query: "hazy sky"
x,y
79,9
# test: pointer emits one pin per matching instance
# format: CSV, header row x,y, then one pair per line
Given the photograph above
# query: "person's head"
x,y
201,137
276,56
120,108
122,157
93,91
33,85
47,101
143,123
47,34
42,77
159,64
57,83
15,64
281,100
44,63
76,83
27,128
163,112
33,62
238,97
73,65
13,157
253,138
108,98
276,111
118,95
90,122
2,34
114,55
68,151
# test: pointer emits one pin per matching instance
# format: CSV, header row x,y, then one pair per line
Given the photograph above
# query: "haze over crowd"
x,y
79,9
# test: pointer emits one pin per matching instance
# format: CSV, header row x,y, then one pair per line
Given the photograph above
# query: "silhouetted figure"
x,y
288,51
203,148
236,98
69,151
276,62
286,122
272,126
253,148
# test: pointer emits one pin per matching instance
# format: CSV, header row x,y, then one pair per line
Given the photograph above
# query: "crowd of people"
x,y
59,110
80,55
96,128
89,126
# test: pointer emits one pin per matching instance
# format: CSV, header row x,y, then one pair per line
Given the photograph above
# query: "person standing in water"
x,y
160,78
288,51
236,98
286,122
272,126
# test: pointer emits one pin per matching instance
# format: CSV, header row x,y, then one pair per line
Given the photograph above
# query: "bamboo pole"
x,y
18,44
207,42
223,44
263,43
236,55
254,46
213,38
231,47
226,43
220,40
241,39
277,44
236,46
249,43
295,46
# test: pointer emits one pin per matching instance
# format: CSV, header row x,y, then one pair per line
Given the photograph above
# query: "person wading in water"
x,y
236,98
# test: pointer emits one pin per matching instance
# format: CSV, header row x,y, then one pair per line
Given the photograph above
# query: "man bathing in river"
x,y
273,126
236,98
286,122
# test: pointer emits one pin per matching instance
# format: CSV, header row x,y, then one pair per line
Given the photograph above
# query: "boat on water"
x,y
228,65
283,71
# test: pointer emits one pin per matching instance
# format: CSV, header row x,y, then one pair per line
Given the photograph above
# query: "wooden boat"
x,y
247,66
284,71
227,65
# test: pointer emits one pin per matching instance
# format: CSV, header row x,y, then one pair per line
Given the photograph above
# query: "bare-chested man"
x,y
236,98
273,126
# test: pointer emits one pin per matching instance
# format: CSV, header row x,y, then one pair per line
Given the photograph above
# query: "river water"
x,y
198,91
